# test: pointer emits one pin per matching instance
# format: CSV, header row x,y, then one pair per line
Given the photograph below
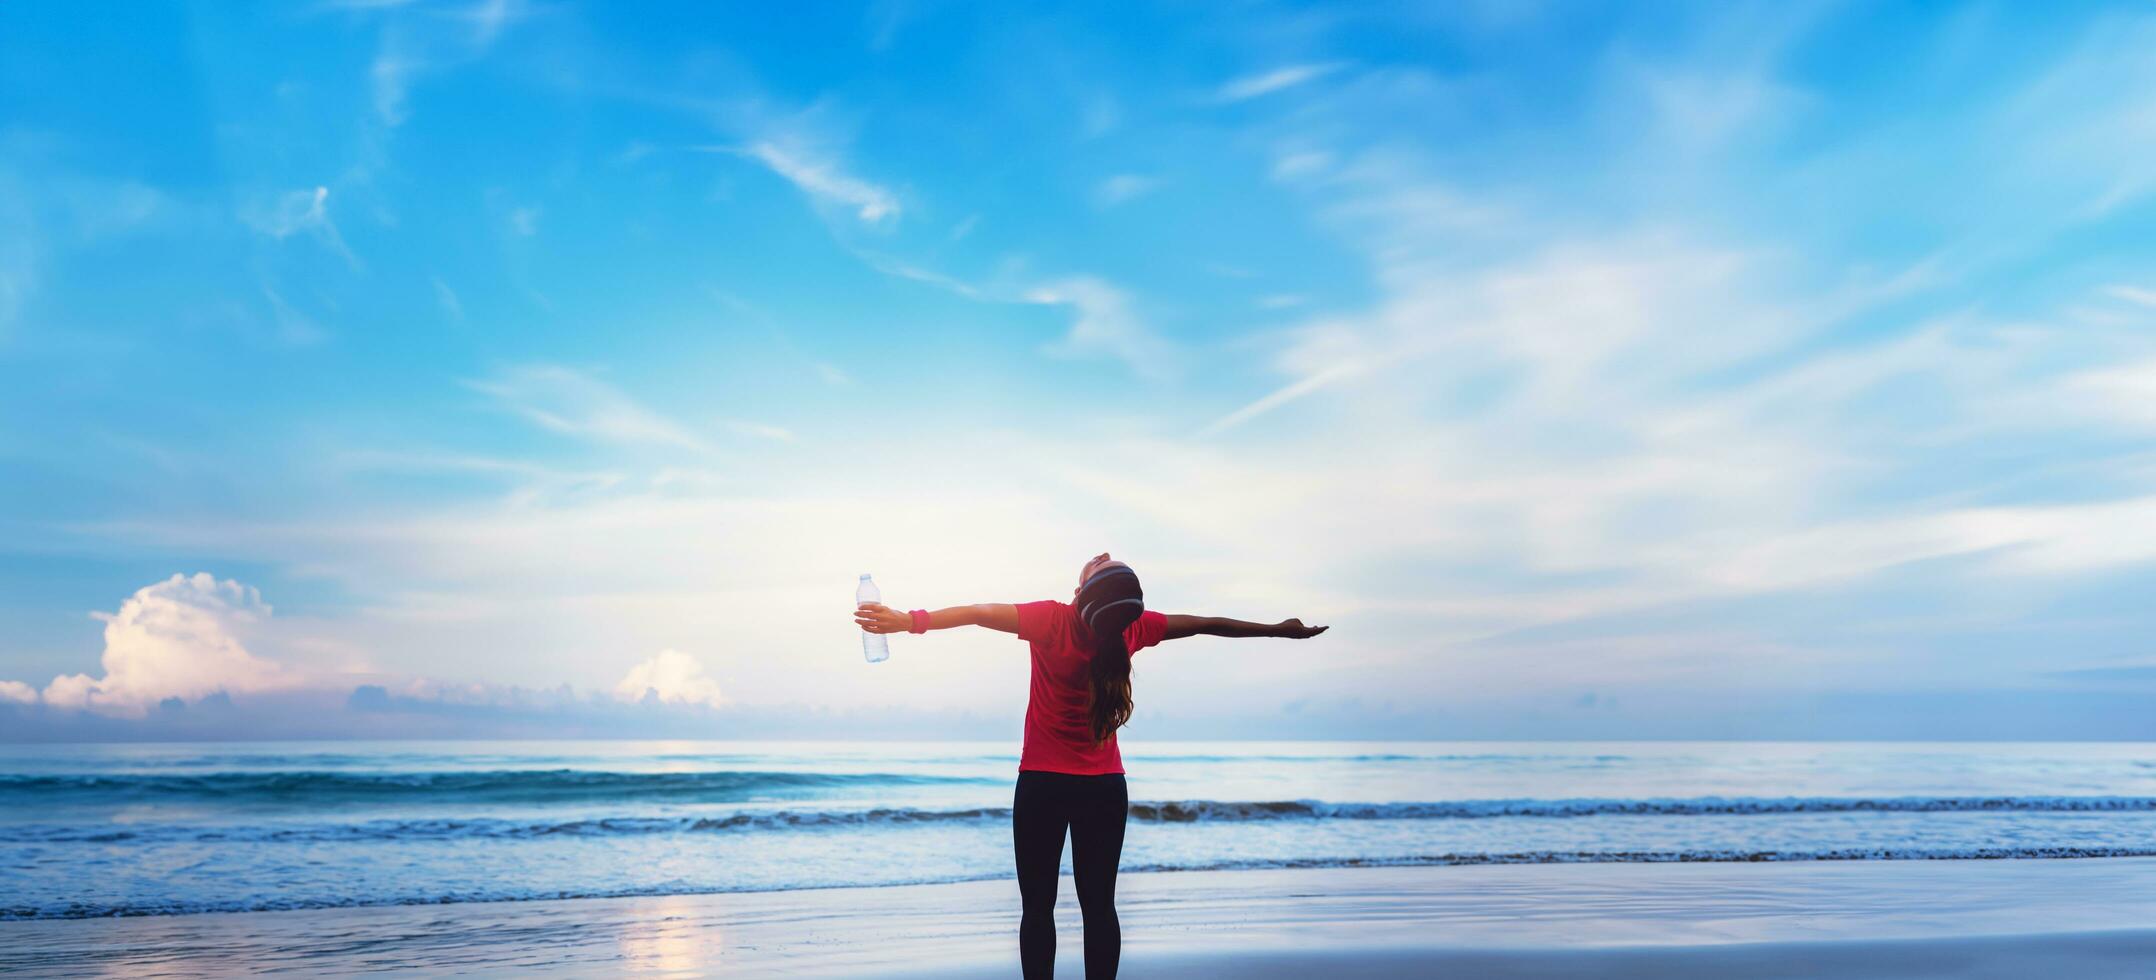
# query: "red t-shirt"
x,y
1059,732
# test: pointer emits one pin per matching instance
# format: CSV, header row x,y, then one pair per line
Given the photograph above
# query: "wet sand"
x,y
2086,918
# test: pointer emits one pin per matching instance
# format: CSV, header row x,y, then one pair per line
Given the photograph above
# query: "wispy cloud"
x,y
18,266
524,221
893,266
535,480
570,402
2126,392
883,20
389,78
448,298
1099,116
2078,125
1299,388
2136,295
1122,188
1276,80
489,18
824,182
1298,164
289,213
1104,323
293,327
758,430
423,38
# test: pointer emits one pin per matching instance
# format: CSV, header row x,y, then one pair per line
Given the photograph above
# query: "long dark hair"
x,y
1107,604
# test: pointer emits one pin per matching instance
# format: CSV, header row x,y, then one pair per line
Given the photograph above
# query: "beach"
x,y
2089,918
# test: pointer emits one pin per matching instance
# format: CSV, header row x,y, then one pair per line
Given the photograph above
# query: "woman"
x,y
1070,775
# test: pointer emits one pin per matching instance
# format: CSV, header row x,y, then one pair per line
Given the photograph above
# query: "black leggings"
x,y
1093,808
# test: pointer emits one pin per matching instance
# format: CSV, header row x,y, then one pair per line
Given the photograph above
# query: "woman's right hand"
x,y
875,617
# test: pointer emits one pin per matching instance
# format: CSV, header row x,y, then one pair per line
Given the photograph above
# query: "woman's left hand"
x,y
1294,629
876,617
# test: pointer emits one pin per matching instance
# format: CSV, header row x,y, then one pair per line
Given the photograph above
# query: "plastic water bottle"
x,y
875,646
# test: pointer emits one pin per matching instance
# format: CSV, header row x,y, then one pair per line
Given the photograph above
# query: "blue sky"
x,y
1780,370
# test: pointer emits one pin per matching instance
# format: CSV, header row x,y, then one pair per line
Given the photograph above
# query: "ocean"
x,y
154,829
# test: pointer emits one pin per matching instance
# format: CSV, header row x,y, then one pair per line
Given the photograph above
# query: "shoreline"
x,y
1523,859
1861,918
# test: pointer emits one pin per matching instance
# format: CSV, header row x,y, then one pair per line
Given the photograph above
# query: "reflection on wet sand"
x,y
2085,918
673,942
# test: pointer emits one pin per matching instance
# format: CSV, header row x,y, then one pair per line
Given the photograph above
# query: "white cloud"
x,y
1278,79
17,692
179,638
670,677
826,183
1123,187
1105,324
569,402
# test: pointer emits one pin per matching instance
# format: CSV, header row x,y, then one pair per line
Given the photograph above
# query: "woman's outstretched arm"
x,y
876,617
1292,629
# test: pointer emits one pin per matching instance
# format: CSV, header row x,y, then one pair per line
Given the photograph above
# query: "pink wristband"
x,y
920,621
